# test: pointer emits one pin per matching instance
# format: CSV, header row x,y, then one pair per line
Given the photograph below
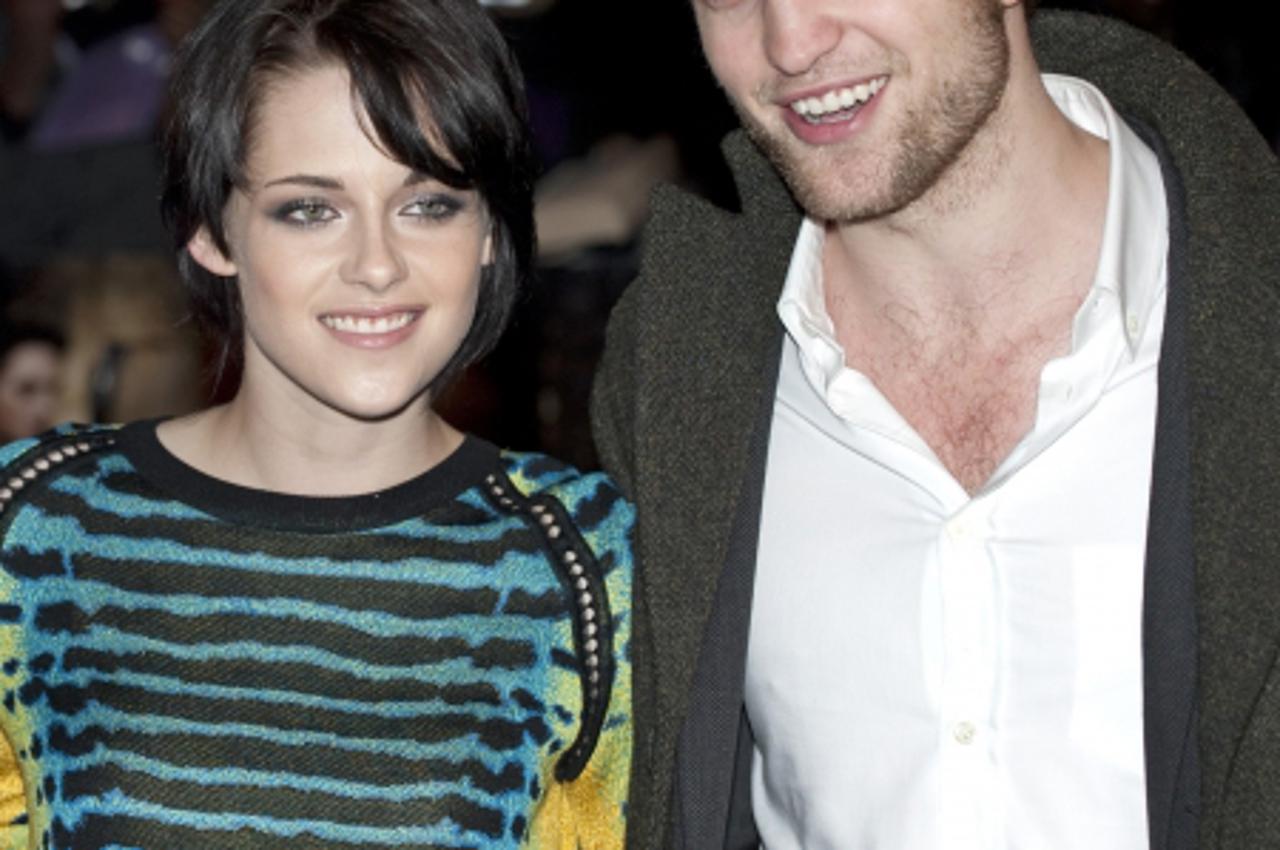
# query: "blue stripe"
x,y
389,709
114,803
234,777
114,720
45,533
91,596
452,671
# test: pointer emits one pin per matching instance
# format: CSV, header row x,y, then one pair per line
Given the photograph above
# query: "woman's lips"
x,y
378,329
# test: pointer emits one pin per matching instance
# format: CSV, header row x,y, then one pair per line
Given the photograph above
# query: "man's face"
x,y
860,104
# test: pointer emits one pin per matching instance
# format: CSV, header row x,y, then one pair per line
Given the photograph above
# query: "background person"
x,y
30,379
318,614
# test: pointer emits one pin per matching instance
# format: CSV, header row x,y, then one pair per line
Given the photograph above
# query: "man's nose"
x,y
797,33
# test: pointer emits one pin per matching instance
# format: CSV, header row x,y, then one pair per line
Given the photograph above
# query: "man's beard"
x,y
930,139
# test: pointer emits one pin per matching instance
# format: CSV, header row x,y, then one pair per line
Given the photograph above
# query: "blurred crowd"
x,y
94,324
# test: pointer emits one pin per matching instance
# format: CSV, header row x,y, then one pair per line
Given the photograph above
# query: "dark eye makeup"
x,y
304,212
312,212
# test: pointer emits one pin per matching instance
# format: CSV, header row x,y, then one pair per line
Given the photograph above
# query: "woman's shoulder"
x,y
28,467
535,474
27,461
60,436
590,501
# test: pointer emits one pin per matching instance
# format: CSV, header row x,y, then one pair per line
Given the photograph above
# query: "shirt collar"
x,y
1135,238
803,310
1131,262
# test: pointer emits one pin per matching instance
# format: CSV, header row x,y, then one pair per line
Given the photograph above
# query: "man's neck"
x,y
1015,223
953,305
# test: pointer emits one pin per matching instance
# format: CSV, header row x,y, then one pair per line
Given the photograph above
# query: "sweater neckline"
x,y
463,469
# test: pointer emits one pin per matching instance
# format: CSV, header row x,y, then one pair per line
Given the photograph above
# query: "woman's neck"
x,y
332,455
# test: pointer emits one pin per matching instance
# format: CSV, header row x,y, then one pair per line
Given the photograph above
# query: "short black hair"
x,y
406,58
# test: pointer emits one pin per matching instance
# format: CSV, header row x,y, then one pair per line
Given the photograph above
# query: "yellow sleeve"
x,y
13,802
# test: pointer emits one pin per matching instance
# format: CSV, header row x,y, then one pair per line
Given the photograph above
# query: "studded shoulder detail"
x,y
31,467
579,572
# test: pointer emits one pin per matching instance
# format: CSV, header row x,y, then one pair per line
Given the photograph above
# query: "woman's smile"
x,y
376,328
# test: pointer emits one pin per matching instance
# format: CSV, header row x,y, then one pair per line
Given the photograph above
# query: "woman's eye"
x,y
306,212
433,207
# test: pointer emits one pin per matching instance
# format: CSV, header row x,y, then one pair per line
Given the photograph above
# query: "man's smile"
x,y
837,104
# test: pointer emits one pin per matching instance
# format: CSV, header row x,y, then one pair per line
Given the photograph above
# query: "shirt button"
x,y
1132,325
964,732
957,529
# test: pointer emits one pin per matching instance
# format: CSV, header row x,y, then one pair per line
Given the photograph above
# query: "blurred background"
x,y
94,327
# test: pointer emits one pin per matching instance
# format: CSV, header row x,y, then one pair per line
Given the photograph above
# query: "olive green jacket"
x,y
682,409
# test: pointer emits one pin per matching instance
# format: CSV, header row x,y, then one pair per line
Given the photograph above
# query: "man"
x,y
955,447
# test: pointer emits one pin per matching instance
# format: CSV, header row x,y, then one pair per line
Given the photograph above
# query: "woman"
x,y
318,616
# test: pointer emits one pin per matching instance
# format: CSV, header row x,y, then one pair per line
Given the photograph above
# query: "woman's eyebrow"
x,y
307,180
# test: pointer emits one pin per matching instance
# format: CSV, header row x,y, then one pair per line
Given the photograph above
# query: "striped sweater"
x,y
189,664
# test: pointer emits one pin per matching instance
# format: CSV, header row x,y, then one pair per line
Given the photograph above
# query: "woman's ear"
x,y
206,252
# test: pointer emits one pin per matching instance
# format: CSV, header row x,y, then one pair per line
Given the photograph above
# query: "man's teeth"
x,y
367,324
837,100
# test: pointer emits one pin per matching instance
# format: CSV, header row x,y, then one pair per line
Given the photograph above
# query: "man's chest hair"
x,y
970,392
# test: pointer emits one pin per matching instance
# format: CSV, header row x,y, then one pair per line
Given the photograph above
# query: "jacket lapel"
x,y
725,366
1169,601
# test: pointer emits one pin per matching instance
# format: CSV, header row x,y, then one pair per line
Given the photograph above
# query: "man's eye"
x,y
306,212
717,5
433,207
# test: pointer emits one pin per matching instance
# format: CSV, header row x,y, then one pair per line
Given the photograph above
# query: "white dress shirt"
x,y
931,670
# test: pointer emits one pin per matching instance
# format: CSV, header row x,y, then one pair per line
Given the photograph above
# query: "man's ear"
x,y
206,252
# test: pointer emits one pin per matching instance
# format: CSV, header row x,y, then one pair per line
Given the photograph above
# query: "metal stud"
x,y
537,509
585,600
591,645
56,456
581,584
15,483
553,532
83,446
575,570
28,473
545,519
589,614
590,629
570,556
42,464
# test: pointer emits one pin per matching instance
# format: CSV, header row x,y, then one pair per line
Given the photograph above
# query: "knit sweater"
x,y
188,663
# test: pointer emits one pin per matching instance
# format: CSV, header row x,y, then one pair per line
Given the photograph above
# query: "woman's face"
x,y
358,276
